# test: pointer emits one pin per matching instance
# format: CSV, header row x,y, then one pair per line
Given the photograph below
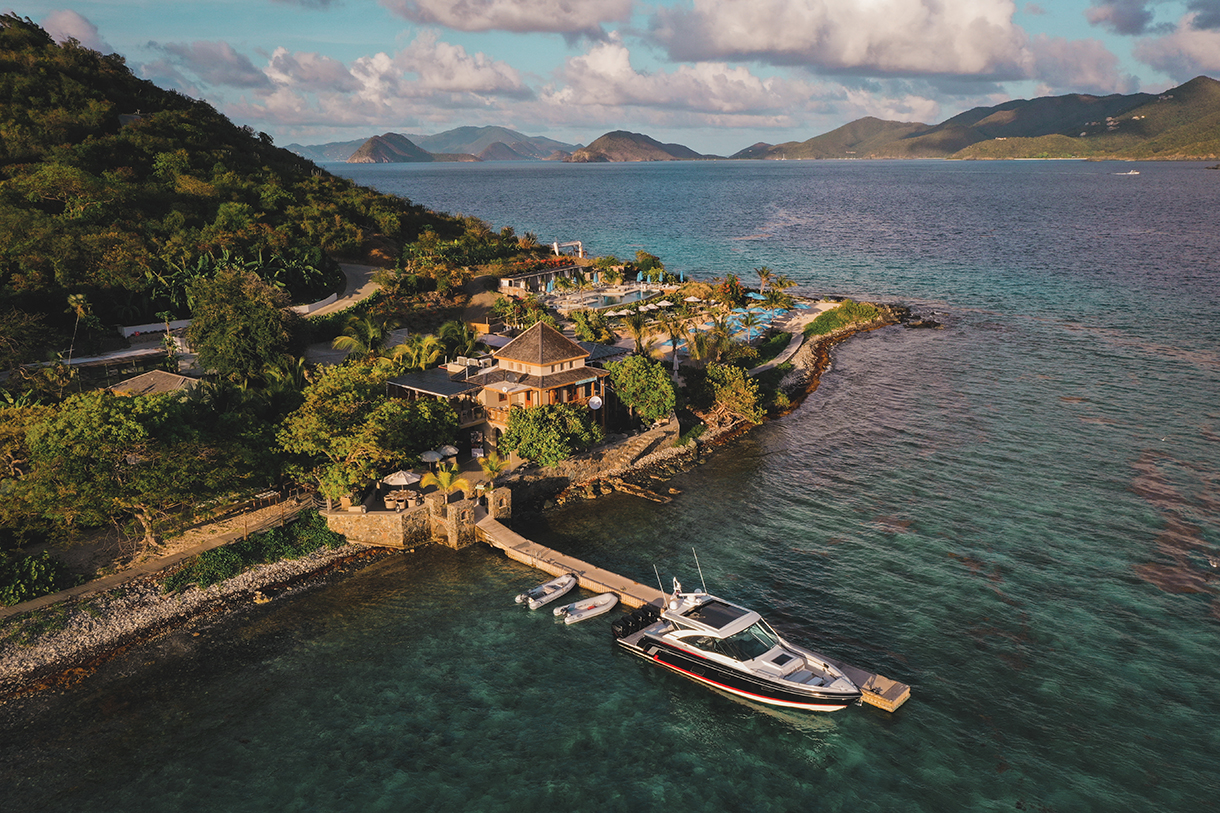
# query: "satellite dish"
x,y
595,402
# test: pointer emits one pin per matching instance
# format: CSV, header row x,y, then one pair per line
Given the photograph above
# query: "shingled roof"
x,y
541,344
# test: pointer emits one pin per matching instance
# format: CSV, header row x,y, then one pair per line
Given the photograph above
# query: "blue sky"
x,y
716,75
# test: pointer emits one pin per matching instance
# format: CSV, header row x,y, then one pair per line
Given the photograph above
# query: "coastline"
x,y
63,644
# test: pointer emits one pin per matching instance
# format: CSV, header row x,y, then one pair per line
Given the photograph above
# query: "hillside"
x,y
124,211
390,148
621,145
331,151
475,140
393,148
499,151
1181,123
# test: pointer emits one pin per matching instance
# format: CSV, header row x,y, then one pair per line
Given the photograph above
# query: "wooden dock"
x,y
876,690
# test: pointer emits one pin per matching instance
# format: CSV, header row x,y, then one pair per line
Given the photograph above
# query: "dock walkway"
x,y
876,690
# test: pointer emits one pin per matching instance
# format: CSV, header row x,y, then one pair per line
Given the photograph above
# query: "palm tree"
x,y
637,323
419,352
447,479
675,327
764,276
364,335
751,321
460,339
493,466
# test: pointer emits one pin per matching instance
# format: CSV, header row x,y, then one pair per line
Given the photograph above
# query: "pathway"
x,y
263,519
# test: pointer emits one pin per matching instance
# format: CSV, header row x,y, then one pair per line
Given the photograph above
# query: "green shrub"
x,y
690,434
27,577
294,541
848,313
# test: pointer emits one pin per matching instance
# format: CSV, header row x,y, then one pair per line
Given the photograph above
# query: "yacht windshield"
x,y
750,643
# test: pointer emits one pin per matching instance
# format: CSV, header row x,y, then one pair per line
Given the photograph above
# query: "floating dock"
x,y
876,690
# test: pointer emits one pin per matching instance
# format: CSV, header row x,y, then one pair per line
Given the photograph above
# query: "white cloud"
x,y
309,71
604,76
1078,66
214,63
445,67
974,38
572,17
65,25
1183,54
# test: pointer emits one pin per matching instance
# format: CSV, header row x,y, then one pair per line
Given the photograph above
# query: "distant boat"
x,y
1129,172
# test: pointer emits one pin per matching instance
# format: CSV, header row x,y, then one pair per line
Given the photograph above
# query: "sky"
x,y
714,75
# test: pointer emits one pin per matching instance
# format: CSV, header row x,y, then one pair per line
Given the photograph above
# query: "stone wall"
x,y
438,520
534,484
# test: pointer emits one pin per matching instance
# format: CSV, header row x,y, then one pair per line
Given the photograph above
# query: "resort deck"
x,y
876,690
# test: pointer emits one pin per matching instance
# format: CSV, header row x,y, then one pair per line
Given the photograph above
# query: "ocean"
x,y
1018,515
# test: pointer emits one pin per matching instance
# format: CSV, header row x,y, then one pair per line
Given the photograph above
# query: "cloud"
x,y
604,76
571,17
879,38
1121,16
1078,66
445,67
214,63
310,71
65,25
1183,54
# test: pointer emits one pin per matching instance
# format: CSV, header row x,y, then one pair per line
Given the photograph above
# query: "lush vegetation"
x,y
849,312
292,541
27,577
643,386
125,194
549,434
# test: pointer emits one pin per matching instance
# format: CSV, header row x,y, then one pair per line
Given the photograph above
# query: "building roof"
x,y
503,380
599,352
154,382
436,381
541,344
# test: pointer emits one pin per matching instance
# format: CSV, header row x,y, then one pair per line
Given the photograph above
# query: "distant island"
x,y
1181,124
459,144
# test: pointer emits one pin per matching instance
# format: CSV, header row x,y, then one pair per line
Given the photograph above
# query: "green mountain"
x,y
393,148
475,140
123,193
621,145
324,153
1183,123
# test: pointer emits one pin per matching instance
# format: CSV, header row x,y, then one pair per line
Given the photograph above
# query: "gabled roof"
x,y
541,344
154,382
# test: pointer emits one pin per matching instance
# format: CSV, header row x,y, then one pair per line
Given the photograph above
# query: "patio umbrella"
x,y
401,478
665,303
448,451
755,295
692,299
431,456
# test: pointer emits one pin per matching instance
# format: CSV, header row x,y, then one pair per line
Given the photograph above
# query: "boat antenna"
x,y
659,585
700,569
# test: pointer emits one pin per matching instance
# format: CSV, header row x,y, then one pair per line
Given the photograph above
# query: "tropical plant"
x,y
493,466
549,434
460,339
240,325
676,328
364,335
765,275
419,352
447,478
637,324
643,386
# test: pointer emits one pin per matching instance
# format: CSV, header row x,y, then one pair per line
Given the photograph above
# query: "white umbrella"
x,y
401,478
431,456
692,299
448,451
665,303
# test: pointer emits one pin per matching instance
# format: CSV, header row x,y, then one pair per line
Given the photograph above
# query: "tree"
x,y
347,430
104,458
734,394
675,327
460,338
240,325
364,335
493,466
765,275
549,434
419,352
644,386
447,478
637,324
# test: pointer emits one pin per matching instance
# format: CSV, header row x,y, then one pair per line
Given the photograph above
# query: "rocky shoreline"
x,y
63,644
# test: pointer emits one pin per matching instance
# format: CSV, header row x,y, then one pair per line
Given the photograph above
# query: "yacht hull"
x,y
777,692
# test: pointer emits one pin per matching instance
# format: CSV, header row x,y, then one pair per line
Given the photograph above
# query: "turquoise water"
x,y
1014,515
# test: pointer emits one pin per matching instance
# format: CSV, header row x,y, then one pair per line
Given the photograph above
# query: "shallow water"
x,y
1013,514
